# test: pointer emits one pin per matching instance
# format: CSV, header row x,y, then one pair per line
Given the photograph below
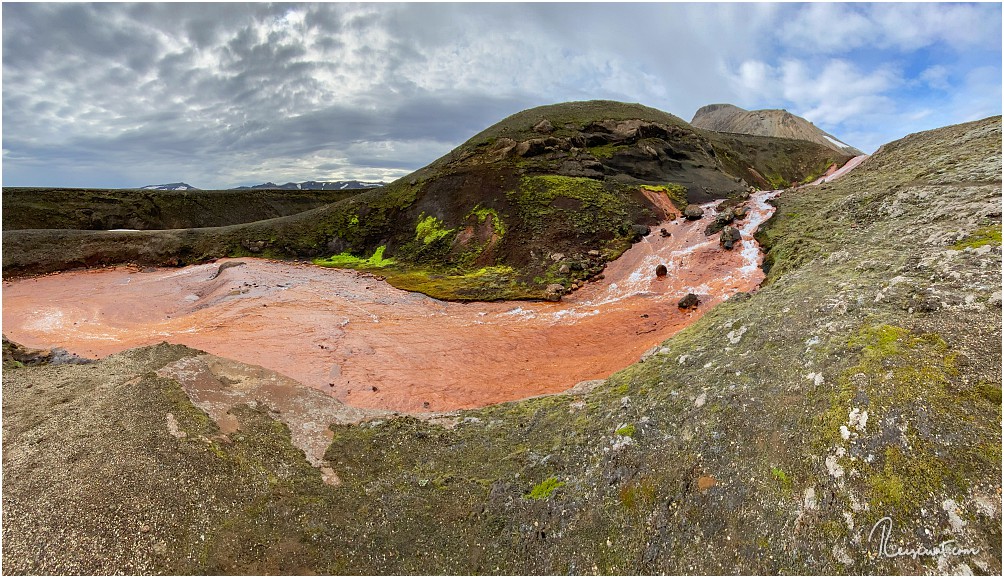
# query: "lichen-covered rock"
x,y
729,237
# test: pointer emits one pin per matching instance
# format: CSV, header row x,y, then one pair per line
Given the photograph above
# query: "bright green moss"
x,y
430,229
352,262
544,489
782,478
627,431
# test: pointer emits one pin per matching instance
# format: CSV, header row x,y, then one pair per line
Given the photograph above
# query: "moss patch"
x,y
626,431
430,229
544,489
349,261
990,235
605,151
901,377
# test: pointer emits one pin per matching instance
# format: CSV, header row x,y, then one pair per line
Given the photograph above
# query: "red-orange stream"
x,y
373,346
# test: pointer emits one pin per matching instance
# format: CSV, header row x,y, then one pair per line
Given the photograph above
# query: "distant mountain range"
x,y
304,186
774,123
171,187
319,185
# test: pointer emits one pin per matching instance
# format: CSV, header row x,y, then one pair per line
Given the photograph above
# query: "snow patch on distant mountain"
x,y
318,185
836,142
171,187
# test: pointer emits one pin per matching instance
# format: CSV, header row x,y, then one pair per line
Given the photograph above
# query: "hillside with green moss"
x,y
861,383
529,208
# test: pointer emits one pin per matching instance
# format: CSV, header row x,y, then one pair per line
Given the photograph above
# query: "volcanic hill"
x,y
529,208
728,118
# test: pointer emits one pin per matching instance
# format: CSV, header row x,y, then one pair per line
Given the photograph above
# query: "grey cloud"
x,y
221,91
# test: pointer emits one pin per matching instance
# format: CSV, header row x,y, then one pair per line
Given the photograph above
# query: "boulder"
x,y
721,220
544,127
693,212
689,302
740,213
661,271
729,236
664,233
554,291
502,148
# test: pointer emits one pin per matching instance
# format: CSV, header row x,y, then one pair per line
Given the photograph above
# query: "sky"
x,y
221,95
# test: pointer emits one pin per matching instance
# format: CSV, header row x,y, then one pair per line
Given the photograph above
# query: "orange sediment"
x,y
373,346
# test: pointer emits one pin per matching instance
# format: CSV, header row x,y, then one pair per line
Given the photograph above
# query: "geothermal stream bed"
x,y
369,345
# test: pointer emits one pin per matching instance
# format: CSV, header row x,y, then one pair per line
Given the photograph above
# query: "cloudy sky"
x,y
219,95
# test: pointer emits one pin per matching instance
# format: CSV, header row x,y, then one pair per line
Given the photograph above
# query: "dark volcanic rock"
x,y
729,236
693,212
721,220
689,302
661,271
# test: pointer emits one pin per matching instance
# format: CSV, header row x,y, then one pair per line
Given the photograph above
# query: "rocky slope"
x,y
861,384
526,209
776,123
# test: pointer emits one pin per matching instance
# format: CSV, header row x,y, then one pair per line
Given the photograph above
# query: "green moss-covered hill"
x,y
862,382
525,209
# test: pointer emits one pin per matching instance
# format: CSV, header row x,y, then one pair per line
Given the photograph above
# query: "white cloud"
x,y
154,87
835,28
830,95
909,26
825,27
935,77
